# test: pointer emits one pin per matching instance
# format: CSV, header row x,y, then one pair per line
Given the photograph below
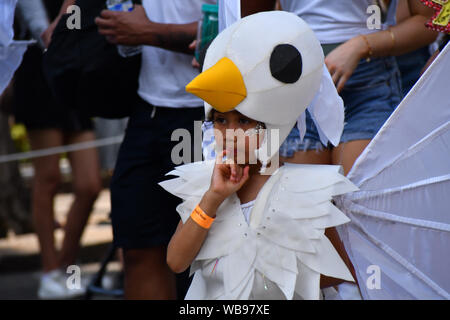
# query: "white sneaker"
x,y
53,285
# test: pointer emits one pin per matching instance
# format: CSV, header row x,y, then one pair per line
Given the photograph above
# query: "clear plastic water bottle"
x,y
126,6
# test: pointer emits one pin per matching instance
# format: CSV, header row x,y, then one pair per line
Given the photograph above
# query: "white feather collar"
x,y
284,245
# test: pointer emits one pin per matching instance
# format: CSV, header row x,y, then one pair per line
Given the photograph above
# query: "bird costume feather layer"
x,y
281,253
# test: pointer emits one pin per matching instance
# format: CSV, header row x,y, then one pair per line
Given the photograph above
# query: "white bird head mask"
x,y
268,66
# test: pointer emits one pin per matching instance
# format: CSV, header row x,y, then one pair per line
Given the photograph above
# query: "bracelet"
x,y
201,218
392,37
369,47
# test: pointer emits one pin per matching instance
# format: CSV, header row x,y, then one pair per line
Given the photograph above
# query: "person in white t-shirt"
x,y
143,215
360,40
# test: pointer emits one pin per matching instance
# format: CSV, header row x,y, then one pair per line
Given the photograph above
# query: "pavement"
x,y
19,255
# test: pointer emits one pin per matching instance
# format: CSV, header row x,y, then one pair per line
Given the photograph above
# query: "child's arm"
x,y
189,237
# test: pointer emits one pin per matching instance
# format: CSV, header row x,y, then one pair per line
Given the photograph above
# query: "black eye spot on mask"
x,y
286,63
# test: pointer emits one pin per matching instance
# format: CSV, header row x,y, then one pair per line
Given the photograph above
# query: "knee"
x,y
88,189
47,183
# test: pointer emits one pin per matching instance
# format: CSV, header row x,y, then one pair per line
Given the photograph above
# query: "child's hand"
x,y
227,178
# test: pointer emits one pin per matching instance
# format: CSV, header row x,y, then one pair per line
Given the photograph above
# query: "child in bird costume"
x,y
252,228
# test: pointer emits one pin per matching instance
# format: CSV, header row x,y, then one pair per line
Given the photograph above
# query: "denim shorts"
x,y
410,66
370,96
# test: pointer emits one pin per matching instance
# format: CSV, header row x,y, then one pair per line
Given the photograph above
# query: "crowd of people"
x,y
372,70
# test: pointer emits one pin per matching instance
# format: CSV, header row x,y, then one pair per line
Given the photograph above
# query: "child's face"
x,y
239,135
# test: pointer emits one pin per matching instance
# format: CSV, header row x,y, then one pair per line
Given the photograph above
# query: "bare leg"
x,y
346,153
86,185
45,184
147,275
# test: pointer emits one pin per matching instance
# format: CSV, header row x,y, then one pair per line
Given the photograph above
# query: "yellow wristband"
x,y
201,218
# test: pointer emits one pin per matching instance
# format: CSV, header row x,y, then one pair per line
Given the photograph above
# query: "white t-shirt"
x,y
229,12
336,21
164,73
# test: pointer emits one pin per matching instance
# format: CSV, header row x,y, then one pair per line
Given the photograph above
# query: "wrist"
x,y
364,48
151,34
210,202
215,197
173,37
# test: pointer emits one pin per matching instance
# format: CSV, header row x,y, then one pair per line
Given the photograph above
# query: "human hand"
x,y
125,28
342,61
192,47
227,178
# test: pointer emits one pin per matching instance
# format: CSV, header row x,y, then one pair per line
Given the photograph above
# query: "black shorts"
x,y
34,104
143,213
